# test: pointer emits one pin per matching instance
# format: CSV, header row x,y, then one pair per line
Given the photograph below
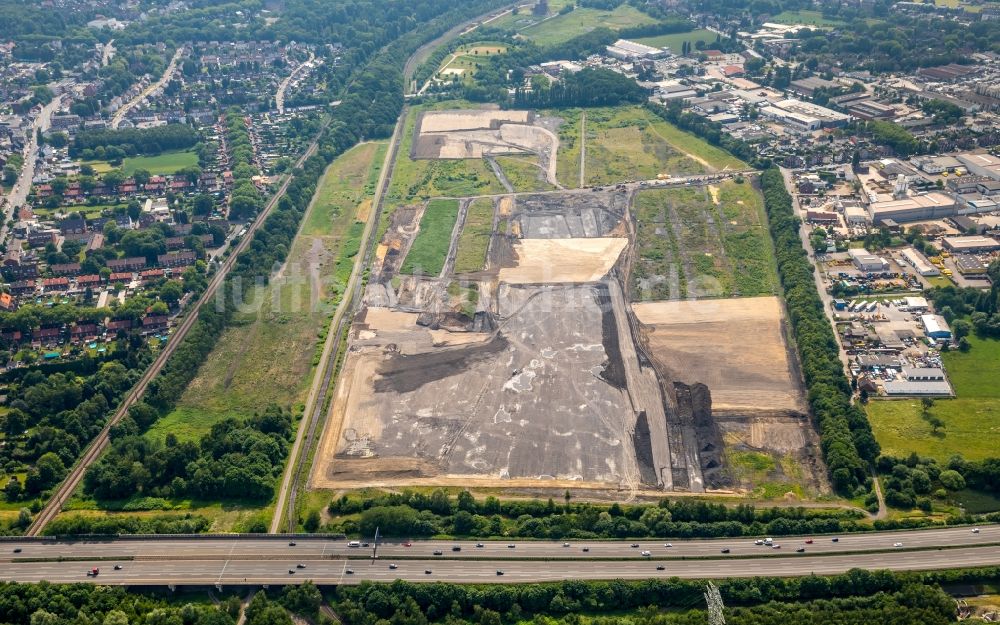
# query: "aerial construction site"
x,y
503,342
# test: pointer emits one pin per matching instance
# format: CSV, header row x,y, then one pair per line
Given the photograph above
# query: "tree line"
x,y
846,438
77,604
132,141
906,598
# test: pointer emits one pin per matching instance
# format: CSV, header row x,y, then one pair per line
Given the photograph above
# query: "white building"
x,y
868,262
919,262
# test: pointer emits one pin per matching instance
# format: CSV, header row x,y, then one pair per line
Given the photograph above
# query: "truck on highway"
x,y
93,572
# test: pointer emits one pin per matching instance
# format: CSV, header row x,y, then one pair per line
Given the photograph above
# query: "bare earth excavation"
x,y
535,369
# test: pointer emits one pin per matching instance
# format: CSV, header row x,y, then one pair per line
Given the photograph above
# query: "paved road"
x,y
19,192
137,100
312,547
333,570
279,96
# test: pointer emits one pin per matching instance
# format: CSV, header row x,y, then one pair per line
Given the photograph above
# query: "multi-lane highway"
x,y
195,561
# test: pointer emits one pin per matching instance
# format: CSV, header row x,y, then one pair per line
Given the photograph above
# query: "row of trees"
x,y
848,444
708,130
132,141
588,87
910,597
245,199
75,604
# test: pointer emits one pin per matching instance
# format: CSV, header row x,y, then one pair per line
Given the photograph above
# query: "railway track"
x,y
288,493
101,441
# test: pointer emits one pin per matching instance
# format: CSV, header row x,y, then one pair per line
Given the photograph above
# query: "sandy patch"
x,y
448,121
364,211
387,320
733,346
552,261
714,192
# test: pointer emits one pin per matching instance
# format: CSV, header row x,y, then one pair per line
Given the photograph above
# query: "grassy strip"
x,y
430,248
475,237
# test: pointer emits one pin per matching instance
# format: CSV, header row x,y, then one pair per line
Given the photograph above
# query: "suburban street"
x,y
19,192
139,99
234,561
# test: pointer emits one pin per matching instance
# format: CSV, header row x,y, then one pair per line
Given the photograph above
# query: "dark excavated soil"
x,y
613,368
643,444
405,373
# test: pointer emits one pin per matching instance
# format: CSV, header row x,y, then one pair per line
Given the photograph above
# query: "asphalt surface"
x,y
197,561
335,570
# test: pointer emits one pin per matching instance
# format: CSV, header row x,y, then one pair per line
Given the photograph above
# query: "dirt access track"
x,y
482,133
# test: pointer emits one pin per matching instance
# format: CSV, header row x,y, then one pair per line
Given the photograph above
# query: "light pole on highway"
x,y
375,546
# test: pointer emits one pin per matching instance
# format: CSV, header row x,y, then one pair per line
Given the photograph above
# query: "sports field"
x,y
162,164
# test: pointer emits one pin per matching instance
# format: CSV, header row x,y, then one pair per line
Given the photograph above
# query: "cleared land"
x,y
702,242
971,420
475,238
562,28
630,143
417,180
430,248
464,62
265,357
675,41
556,261
734,346
524,174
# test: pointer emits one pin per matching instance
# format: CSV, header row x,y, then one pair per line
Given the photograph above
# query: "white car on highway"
x,y
897,544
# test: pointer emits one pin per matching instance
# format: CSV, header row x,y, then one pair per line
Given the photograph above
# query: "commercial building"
x,y
804,116
868,262
934,205
970,244
919,262
870,109
985,165
904,388
969,265
916,304
935,327
938,164
633,51
808,86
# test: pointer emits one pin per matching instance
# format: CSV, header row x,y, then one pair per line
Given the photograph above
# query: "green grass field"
x,y
468,58
972,419
419,180
630,143
163,164
524,173
475,238
430,248
675,41
809,18
267,354
702,242
582,20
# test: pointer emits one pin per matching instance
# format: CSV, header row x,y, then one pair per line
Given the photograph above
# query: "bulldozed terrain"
x,y
529,365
